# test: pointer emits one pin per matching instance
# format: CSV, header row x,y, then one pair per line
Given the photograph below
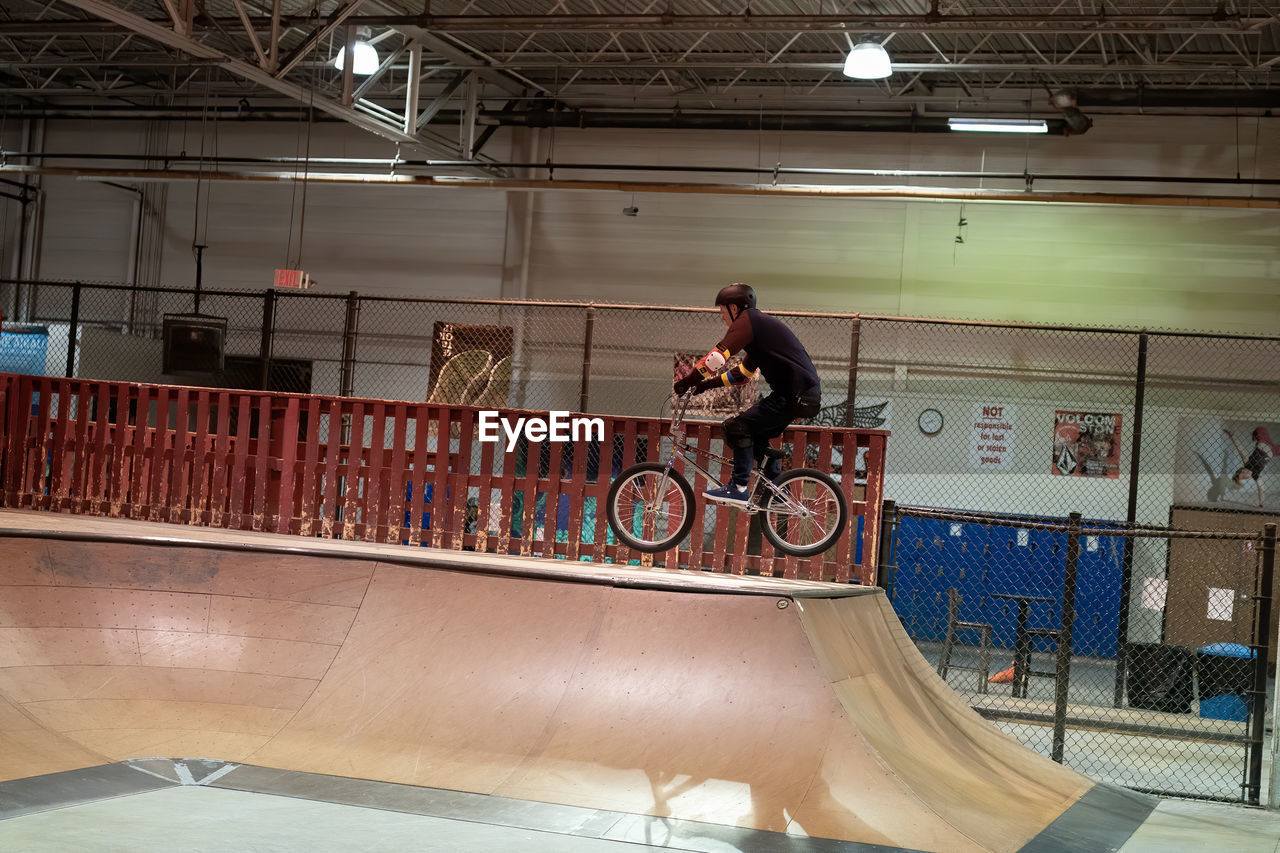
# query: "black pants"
x,y
749,433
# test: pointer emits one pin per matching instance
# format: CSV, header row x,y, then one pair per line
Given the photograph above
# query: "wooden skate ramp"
x,y
790,707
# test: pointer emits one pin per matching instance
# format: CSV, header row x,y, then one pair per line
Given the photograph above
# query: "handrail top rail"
x,y
575,304
352,401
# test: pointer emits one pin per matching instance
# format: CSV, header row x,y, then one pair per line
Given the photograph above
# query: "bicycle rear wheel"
x,y
808,517
642,516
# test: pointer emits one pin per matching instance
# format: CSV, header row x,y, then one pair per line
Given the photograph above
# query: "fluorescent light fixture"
x,y
365,56
868,61
999,125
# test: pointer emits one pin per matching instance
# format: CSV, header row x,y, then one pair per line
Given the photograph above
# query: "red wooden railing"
x,y
356,469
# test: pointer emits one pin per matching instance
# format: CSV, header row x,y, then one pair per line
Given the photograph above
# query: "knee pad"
x,y
737,433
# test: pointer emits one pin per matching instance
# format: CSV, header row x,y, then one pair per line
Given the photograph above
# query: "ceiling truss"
x,y
482,63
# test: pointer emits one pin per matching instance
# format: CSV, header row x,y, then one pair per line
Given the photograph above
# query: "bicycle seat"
x,y
774,453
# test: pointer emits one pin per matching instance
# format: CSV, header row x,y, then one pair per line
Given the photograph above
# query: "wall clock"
x,y
930,422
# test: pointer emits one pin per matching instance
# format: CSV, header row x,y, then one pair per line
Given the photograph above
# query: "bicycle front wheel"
x,y
808,516
650,507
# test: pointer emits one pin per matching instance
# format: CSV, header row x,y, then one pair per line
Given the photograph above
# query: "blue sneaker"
x,y
729,494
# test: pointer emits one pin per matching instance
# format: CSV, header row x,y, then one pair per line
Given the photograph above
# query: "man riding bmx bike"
x,y
772,350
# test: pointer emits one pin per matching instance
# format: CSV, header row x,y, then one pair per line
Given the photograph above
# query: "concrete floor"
x,y
198,819
1184,826
193,819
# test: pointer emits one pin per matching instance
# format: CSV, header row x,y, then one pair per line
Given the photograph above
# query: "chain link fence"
x,y
999,433
531,355
1020,616
1004,426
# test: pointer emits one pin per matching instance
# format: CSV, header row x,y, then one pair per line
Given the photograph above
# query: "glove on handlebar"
x,y
708,385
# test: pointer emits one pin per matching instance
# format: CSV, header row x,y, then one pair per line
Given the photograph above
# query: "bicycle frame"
x,y
809,497
681,449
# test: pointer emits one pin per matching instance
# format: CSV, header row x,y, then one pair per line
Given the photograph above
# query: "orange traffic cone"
x,y
1005,677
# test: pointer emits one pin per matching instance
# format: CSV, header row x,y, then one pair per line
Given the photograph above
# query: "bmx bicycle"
x,y
651,505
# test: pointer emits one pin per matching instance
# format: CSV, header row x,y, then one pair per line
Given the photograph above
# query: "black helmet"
x,y
737,294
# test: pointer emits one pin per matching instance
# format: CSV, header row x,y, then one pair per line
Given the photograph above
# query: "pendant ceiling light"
x,y
868,61
365,57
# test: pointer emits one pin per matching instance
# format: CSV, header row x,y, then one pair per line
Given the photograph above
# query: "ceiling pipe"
x,y
573,118
618,120
1253,99
1141,99
402,164
116,112
765,190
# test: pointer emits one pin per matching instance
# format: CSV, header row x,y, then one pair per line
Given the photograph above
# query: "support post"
x,y
350,333
199,275
855,334
73,329
1062,679
586,358
1273,789
1131,516
34,235
20,259
1262,652
267,342
888,547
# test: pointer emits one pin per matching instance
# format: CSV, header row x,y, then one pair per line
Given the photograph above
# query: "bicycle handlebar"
x,y
679,407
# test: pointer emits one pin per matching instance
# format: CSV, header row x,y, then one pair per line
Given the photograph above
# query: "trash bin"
x,y
1225,673
1159,677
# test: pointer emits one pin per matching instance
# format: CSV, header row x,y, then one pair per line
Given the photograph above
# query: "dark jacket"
x,y
774,350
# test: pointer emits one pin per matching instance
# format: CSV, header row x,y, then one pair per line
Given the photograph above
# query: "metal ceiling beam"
x,y
247,71
173,14
263,62
472,60
926,22
370,83
441,99
1087,65
1059,24
1093,65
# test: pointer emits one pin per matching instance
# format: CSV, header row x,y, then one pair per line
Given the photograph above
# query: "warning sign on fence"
x,y
991,444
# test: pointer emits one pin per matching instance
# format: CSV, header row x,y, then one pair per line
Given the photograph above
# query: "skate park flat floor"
x,y
291,811
348,696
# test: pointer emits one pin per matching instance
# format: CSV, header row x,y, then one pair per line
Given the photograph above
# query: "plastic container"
x,y
1225,673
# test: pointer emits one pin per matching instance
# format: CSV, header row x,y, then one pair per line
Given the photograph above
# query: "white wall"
x,y
1200,268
